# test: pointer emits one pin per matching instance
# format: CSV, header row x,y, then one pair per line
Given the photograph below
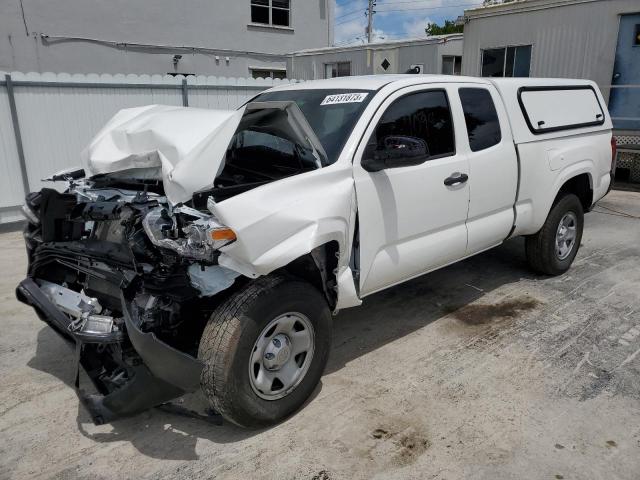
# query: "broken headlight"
x,y
199,239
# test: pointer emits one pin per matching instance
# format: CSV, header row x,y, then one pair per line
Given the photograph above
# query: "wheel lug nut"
x,y
269,356
276,342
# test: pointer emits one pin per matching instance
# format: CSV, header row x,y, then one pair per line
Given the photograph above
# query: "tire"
x,y
236,331
542,252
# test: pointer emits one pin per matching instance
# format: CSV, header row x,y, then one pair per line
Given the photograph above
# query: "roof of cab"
x,y
375,82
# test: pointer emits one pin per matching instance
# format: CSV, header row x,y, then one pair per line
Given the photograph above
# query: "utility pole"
x,y
370,12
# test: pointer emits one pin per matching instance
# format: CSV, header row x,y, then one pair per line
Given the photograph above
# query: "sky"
x,y
395,19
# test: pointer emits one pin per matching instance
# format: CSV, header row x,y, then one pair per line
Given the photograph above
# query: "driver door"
x,y
412,218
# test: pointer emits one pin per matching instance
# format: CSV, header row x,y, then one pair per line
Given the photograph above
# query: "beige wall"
x,y
216,24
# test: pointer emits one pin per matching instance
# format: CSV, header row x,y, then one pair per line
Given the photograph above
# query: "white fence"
x,y
47,119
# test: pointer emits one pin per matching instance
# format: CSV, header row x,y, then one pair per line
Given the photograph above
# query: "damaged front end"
x,y
131,260
129,280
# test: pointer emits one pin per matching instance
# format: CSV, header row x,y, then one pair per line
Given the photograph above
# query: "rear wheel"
x,y
264,350
553,248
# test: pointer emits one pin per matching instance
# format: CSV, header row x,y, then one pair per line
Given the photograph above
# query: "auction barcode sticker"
x,y
344,98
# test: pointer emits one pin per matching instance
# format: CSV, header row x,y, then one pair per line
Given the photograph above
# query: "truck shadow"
x,y
400,310
154,433
383,318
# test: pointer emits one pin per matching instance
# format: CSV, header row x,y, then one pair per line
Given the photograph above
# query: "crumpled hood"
x,y
182,146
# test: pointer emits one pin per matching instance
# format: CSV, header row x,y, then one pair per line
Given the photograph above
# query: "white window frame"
x,y
270,7
504,65
454,64
325,65
271,71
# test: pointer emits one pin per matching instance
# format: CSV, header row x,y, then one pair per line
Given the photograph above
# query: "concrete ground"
x,y
480,370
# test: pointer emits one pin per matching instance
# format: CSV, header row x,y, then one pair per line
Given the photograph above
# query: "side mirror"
x,y
395,151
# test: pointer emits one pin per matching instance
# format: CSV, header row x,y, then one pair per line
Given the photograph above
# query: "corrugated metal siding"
x,y
429,55
311,67
570,41
450,48
11,192
391,55
58,121
426,55
366,60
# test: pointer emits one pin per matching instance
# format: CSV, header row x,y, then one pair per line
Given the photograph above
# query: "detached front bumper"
x,y
158,374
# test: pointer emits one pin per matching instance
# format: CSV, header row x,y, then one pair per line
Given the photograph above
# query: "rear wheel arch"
x,y
581,186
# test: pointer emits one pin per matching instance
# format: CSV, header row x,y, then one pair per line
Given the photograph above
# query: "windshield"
x,y
286,133
332,113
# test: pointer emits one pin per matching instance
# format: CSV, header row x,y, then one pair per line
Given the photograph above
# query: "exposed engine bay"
x,y
115,261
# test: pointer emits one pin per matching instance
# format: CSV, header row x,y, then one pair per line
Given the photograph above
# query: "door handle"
x,y
456,178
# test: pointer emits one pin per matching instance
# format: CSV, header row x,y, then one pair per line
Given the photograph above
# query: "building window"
x,y
271,12
481,118
636,38
338,69
506,61
267,73
451,65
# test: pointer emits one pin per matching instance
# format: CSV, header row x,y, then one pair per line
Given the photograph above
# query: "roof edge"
x,y
519,6
435,39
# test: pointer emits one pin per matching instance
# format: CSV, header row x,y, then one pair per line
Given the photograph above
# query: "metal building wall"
x,y
11,189
311,67
429,55
58,114
366,59
570,38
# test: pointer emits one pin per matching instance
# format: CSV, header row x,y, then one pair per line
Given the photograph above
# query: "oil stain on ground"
x,y
322,475
483,314
411,446
407,445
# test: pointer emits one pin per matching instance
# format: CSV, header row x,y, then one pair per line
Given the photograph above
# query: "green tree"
x,y
448,27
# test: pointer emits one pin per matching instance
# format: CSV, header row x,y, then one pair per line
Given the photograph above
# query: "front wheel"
x,y
264,350
551,251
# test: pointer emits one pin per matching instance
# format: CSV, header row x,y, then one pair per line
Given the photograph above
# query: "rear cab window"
x,y
424,115
481,118
552,109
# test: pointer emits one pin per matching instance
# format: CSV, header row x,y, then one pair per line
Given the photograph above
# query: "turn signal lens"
x,y
222,234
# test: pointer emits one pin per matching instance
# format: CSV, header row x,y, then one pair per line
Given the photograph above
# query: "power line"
x,y
350,13
393,2
428,8
388,3
345,42
345,21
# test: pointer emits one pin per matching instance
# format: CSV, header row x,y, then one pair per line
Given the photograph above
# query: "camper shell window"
x,y
552,109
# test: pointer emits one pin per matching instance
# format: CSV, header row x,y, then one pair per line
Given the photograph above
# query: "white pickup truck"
x,y
208,249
